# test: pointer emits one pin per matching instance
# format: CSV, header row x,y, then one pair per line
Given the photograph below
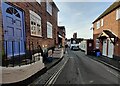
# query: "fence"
x,y
32,53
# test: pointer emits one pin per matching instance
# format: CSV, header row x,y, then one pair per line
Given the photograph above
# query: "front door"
x,y
110,49
13,30
104,50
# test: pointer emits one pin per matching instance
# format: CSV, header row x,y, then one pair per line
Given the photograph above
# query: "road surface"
x,y
77,68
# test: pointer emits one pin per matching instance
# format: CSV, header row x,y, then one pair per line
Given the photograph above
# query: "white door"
x,y
104,51
110,49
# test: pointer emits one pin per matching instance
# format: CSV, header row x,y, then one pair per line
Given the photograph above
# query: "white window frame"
x,y
98,24
49,7
97,44
49,30
102,22
36,26
118,14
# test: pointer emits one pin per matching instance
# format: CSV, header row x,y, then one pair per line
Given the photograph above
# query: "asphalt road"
x,y
77,68
80,69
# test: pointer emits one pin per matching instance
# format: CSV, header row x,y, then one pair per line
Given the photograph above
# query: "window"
x,y
35,23
97,43
39,1
49,7
118,14
102,22
98,25
49,30
12,11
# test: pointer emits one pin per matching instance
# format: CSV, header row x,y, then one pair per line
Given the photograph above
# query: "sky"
x,y
78,15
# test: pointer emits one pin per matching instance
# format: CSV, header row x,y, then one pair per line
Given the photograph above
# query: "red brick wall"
x,y
40,9
112,24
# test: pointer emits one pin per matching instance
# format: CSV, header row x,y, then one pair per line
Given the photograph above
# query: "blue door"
x,y
13,28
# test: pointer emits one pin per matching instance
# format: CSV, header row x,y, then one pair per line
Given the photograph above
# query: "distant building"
x,y
106,31
74,35
61,33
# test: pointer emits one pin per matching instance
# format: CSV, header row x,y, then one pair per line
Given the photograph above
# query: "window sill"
x,y
36,35
49,38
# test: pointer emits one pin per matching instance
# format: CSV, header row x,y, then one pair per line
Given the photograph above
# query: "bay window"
x,y
35,24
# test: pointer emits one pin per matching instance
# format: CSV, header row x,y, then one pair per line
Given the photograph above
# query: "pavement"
x,y
115,64
57,57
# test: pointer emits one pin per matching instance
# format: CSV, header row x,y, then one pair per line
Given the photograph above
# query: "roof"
x,y
109,33
114,6
55,6
106,34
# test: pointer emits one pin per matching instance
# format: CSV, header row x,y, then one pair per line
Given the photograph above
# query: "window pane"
x,y
101,22
35,24
49,30
98,25
118,14
49,8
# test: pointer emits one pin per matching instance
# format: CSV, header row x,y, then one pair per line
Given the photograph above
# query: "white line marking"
x,y
80,75
58,73
117,75
91,81
66,52
54,77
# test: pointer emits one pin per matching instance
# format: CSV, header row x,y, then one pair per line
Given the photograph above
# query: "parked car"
x,y
75,47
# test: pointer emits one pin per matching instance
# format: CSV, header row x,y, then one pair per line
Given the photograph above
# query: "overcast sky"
x,y
78,15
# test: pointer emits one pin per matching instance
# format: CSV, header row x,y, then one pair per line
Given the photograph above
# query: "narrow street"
x,y
77,68
80,69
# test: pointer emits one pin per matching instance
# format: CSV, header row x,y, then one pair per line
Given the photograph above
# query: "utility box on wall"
x,y
89,46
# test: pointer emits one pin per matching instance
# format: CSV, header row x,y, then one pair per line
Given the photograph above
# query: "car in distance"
x,y
75,48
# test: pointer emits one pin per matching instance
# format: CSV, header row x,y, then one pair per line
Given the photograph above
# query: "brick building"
x,y
106,31
27,25
61,36
75,35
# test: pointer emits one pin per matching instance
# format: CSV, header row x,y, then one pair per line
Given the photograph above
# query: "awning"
x,y
110,34
107,34
103,35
